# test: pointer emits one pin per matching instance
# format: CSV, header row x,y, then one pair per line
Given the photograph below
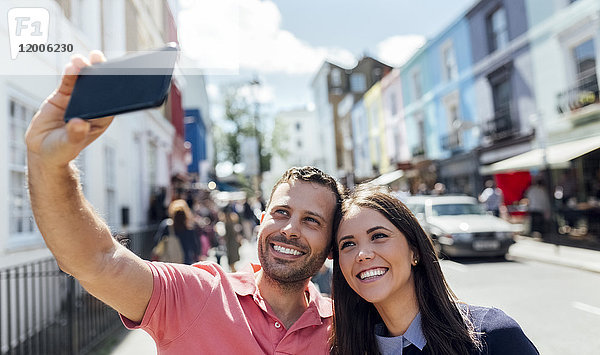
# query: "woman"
x,y
391,297
181,222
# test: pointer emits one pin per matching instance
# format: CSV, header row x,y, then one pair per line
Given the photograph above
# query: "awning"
x,y
557,156
387,178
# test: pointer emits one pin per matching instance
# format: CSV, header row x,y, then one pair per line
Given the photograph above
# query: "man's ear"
x,y
262,216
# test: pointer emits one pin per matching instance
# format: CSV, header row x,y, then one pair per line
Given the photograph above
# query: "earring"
x,y
415,262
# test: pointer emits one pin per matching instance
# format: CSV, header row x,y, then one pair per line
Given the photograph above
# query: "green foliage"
x,y
280,135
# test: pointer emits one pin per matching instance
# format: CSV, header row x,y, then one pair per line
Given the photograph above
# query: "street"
x,y
557,307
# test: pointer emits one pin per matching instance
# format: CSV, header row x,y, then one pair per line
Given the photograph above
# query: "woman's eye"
x,y
378,236
346,244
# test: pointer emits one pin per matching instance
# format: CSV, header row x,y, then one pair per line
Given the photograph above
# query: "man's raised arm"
x,y
80,241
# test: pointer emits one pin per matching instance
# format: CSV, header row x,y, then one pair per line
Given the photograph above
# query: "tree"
x,y
240,119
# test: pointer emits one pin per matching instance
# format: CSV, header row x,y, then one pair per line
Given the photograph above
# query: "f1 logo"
x,y
27,25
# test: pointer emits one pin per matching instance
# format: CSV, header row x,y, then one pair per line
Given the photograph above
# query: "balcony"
x,y
418,151
501,126
581,99
452,141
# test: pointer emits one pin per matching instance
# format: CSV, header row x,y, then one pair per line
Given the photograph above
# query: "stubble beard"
x,y
293,273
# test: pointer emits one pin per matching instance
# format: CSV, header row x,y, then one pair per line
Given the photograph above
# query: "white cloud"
x,y
246,34
262,93
397,50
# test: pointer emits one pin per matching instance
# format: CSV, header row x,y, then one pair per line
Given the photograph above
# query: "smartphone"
x,y
127,84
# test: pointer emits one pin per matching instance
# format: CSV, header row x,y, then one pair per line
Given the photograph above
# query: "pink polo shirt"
x,y
202,309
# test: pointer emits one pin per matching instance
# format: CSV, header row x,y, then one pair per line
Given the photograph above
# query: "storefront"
x,y
574,181
460,174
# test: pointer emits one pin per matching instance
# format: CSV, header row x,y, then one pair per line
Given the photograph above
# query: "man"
x,y
538,207
492,197
187,309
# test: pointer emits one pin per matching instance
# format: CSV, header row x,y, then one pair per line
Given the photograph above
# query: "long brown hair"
x,y
182,216
445,325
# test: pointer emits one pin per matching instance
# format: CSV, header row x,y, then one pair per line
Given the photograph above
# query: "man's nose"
x,y
290,229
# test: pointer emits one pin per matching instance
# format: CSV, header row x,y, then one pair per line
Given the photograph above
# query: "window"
x,y
421,130
585,69
358,82
336,78
502,92
298,126
417,88
152,164
454,133
376,75
585,58
393,104
449,62
20,214
110,186
497,27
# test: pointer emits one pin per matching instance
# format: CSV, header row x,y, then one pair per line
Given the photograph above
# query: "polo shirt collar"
x,y
244,284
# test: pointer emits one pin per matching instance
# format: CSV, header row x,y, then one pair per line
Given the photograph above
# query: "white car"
x,y
459,226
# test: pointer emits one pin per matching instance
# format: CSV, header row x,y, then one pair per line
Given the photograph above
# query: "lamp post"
x,y
255,84
541,137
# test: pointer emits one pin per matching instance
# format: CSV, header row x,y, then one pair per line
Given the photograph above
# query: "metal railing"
x,y
501,126
585,92
45,311
452,141
142,242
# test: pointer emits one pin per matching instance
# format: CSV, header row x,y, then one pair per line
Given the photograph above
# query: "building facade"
x,y
503,79
120,170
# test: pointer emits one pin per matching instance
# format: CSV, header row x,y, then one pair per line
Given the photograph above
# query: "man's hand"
x,y
52,140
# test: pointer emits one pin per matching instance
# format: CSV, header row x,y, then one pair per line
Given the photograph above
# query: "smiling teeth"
x,y
371,273
286,250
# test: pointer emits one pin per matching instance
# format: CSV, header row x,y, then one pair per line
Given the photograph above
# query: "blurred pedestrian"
x,y
232,235
249,220
538,207
182,222
438,189
492,198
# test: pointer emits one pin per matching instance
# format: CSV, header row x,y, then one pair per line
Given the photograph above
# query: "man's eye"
x,y
310,219
346,244
280,211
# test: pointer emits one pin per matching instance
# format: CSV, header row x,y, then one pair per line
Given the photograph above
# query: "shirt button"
x,y
277,325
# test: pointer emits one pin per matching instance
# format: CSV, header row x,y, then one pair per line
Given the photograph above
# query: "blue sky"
x,y
283,42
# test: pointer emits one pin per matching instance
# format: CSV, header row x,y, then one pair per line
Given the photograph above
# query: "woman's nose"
x,y
364,254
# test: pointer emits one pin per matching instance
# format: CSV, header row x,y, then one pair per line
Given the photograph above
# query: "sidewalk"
x,y
135,342
579,258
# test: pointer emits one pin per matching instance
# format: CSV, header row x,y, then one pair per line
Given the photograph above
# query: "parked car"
x,y
459,226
